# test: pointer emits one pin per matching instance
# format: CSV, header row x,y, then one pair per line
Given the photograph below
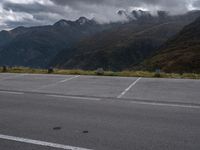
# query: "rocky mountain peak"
x,y
140,13
135,14
162,14
83,20
62,23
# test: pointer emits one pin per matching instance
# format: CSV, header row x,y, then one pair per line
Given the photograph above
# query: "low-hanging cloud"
x,y
196,3
40,12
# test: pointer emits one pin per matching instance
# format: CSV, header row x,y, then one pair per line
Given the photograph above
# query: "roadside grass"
x,y
145,74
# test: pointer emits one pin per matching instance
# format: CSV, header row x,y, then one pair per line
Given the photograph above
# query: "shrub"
x,y
157,74
100,71
50,70
4,69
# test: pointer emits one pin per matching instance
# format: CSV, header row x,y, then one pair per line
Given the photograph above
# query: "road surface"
x,y
56,112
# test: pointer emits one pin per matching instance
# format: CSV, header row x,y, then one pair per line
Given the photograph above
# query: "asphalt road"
x,y
50,112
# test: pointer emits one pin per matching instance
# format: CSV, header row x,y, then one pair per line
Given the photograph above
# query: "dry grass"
x,y
106,73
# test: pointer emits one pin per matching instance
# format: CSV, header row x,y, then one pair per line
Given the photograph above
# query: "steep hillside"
x,y
125,46
181,54
36,46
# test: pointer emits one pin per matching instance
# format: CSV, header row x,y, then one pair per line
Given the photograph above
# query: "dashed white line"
x,y
69,79
40,143
127,89
166,105
8,92
53,84
75,97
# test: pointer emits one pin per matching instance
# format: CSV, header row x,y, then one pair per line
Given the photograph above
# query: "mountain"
x,y
126,45
86,44
36,46
181,54
159,16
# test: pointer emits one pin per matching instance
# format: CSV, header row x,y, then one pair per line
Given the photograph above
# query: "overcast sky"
x,y
15,13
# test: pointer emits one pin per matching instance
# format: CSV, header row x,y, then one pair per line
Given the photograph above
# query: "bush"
x,y
4,69
157,74
100,71
50,70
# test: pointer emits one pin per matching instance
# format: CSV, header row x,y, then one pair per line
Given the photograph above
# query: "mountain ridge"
x,y
180,54
36,46
123,47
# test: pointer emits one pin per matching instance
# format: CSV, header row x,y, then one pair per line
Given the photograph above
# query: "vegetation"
x,y
120,48
145,74
181,54
124,46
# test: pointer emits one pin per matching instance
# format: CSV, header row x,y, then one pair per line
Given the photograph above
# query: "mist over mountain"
x,y
124,46
14,13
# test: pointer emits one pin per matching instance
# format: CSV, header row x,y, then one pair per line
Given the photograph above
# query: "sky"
x,y
14,13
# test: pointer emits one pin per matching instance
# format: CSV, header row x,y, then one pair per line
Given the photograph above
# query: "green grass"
x,y
146,74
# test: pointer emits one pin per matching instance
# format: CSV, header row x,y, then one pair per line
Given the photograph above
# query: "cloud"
x,y
196,3
41,12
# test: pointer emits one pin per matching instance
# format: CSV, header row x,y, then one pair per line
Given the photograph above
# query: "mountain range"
x,y
87,44
125,46
36,46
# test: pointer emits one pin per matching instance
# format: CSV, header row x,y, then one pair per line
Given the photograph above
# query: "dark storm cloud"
x,y
126,3
33,8
29,8
101,6
40,12
68,2
196,3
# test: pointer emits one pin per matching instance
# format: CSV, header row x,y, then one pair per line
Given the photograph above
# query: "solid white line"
x,y
62,81
40,143
166,105
126,90
8,92
75,97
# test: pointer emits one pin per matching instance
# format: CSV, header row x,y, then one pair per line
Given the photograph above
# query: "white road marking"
x,y
13,77
40,143
53,84
75,97
126,90
8,92
166,105
69,79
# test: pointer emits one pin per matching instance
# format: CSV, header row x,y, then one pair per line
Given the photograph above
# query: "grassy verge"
x,y
106,73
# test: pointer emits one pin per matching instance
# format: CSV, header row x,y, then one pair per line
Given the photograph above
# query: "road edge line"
x,y
74,97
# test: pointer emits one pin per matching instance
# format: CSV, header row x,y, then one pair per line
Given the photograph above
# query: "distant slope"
x,y
36,46
182,54
125,46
